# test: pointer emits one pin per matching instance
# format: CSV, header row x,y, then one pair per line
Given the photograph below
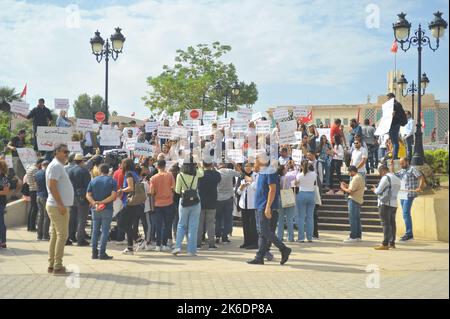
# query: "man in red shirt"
x,y
336,130
119,177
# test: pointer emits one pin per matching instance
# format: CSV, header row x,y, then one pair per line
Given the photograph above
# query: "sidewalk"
x,y
324,269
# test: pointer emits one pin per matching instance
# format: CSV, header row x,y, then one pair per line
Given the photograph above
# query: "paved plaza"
x,y
324,269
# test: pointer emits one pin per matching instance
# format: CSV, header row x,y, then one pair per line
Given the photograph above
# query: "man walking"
x,y
355,200
43,223
387,191
60,199
412,182
266,203
101,193
80,178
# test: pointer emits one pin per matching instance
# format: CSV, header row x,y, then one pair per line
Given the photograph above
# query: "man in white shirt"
x,y
136,130
359,157
407,132
387,191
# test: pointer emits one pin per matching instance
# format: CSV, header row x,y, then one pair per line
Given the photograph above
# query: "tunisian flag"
x,y
306,119
24,92
394,47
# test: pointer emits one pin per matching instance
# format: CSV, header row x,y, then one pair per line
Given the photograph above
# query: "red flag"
x,y
394,47
24,92
306,119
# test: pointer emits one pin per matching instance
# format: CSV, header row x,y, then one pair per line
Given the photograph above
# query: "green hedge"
x,y
438,160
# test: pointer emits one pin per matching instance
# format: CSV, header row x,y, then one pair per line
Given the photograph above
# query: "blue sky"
x,y
297,52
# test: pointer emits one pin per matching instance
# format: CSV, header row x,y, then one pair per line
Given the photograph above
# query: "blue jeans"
x,y
406,208
224,218
188,224
164,217
100,222
2,225
393,134
305,208
354,216
266,231
289,214
370,163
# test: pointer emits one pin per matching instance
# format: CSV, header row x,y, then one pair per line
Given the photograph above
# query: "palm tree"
x,y
114,113
7,95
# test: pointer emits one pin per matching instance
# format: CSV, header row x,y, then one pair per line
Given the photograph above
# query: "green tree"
x,y
7,95
84,106
191,82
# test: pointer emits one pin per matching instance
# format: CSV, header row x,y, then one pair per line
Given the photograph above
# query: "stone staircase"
x,y
333,214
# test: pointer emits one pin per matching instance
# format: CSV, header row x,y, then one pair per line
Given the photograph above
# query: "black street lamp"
x,y
402,31
100,50
412,89
229,92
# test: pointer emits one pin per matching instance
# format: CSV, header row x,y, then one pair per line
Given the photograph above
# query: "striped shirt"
x,y
31,177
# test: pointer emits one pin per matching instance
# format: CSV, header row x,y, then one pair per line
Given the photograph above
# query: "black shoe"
x,y
285,255
199,246
83,243
255,262
46,238
225,240
251,247
105,257
69,242
73,239
212,247
39,239
406,238
243,246
95,256
217,241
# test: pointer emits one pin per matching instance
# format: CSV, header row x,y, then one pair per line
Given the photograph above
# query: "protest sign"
x,y
297,156
95,127
239,126
288,126
143,149
262,127
300,111
326,132
74,147
176,117
223,123
9,161
235,155
20,108
179,132
85,125
298,135
164,132
256,116
209,116
62,104
191,125
150,127
245,114
130,143
286,138
27,156
110,137
205,130
386,120
280,113
48,137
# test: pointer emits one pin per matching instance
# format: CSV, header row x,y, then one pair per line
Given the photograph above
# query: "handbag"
x,y
189,197
138,196
287,196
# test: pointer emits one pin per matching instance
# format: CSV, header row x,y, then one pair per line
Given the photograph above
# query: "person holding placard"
x,y
16,142
62,120
41,116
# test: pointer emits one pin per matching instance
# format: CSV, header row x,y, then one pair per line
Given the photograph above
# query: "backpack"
x,y
138,196
190,196
385,197
402,119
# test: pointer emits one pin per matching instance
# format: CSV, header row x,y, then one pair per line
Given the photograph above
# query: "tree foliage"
x,y
190,83
84,106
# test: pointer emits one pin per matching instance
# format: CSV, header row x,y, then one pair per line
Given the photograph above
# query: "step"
x,y
338,227
342,197
344,207
343,202
344,221
369,215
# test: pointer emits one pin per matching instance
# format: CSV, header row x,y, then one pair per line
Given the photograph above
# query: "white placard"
x,y
176,117
239,126
143,149
245,114
150,127
106,127
236,156
280,113
300,111
223,123
9,161
85,125
191,125
209,116
288,126
27,156
179,132
262,127
75,147
62,104
48,137
256,116
286,138
130,143
326,132
164,132
20,107
110,137
95,127
297,156
386,120
205,130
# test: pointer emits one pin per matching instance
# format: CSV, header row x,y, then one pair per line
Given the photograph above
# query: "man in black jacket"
x,y
398,119
41,116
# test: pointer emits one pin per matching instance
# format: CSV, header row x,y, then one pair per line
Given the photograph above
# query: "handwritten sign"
x,y
256,116
298,135
143,149
286,138
300,111
176,117
288,126
20,107
205,130
164,132
27,156
49,137
239,126
209,116
130,143
245,114
110,137
179,132
85,125
326,132
280,113
191,125
236,156
62,104
297,156
262,127
74,147
150,127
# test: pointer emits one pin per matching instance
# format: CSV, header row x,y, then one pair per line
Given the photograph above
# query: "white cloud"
x,y
323,43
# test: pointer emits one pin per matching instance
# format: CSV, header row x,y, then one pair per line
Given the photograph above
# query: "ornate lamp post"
x,y
412,89
229,92
402,31
100,50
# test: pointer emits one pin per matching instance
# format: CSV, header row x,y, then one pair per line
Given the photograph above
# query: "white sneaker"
x,y
127,252
191,255
165,248
157,248
140,246
176,251
149,247
170,242
350,240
